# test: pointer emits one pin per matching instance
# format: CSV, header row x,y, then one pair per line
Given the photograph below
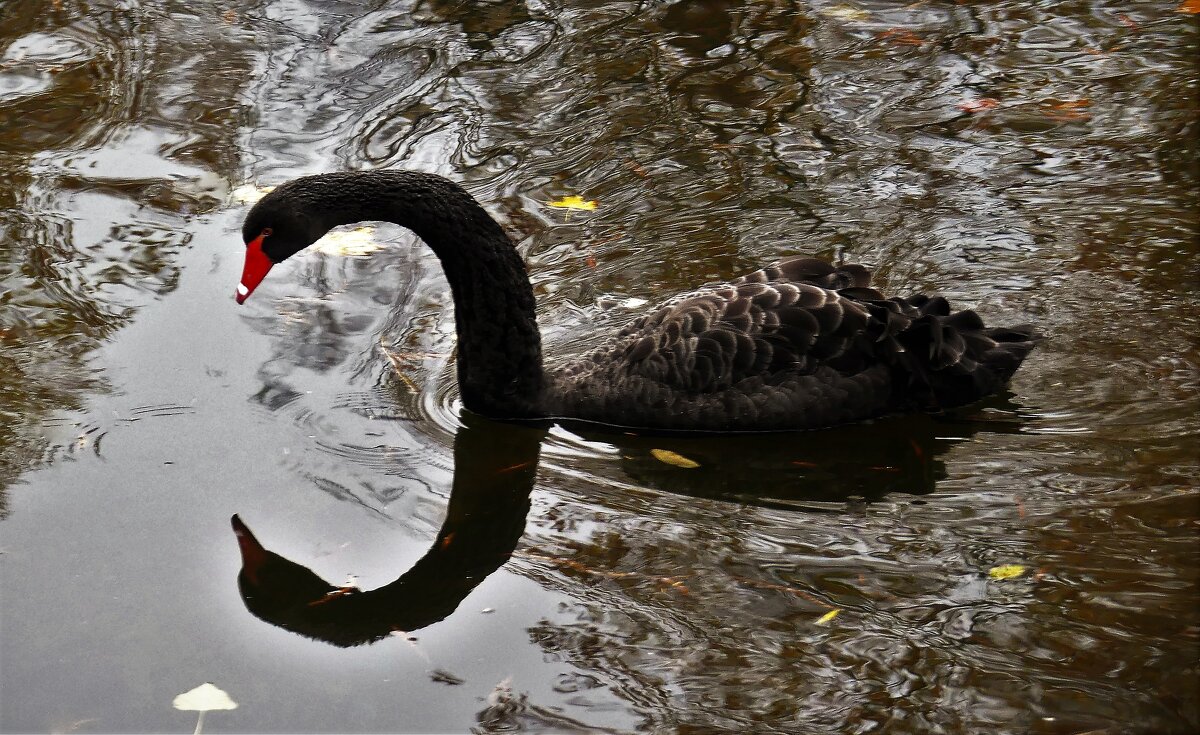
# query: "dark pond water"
x,y
1036,161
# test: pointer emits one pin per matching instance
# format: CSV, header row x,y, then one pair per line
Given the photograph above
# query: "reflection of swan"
x,y
494,471
867,460
797,345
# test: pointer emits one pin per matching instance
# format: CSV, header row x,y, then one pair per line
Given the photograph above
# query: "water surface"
x,y
1033,161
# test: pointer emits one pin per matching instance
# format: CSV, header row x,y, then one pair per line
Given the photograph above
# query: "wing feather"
x,y
799,335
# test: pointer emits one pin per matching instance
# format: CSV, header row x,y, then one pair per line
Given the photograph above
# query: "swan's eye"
x,y
265,233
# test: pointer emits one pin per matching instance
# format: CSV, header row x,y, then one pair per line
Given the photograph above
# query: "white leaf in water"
x,y
204,698
501,693
845,12
249,193
358,241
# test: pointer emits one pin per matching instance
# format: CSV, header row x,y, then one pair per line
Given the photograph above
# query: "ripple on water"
x,y
716,136
30,63
68,439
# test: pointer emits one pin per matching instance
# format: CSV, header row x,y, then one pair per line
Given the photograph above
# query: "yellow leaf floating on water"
x,y
671,458
574,202
1006,571
827,617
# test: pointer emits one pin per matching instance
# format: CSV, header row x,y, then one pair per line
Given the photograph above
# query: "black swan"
x,y
800,344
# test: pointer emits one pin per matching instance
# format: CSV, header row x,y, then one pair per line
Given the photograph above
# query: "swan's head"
x,y
276,229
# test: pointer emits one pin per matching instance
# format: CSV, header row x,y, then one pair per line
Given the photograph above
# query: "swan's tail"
x,y
940,358
954,359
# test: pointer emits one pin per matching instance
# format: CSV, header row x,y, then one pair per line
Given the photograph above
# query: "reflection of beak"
x,y
255,270
253,553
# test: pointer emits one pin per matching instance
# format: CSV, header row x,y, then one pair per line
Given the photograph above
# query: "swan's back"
x,y
798,345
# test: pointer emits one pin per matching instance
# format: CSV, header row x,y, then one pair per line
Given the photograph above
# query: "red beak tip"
x,y
254,270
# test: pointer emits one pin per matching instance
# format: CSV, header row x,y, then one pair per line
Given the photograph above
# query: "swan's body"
x,y
798,345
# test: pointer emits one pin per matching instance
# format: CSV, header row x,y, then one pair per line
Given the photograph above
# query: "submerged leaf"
x,y
671,458
901,36
204,698
1189,6
1067,110
1006,571
978,105
574,202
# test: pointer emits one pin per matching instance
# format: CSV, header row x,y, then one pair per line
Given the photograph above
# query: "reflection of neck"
x,y
495,466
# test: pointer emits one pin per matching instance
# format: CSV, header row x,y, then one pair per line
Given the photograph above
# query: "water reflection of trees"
x,y
716,135
522,102
112,130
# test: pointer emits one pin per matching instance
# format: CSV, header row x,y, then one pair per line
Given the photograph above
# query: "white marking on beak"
x,y
242,290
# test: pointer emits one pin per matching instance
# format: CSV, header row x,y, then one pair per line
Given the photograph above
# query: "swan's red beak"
x,y
255,270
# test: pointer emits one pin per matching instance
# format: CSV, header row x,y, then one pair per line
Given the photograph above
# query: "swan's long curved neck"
x,y
499,346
